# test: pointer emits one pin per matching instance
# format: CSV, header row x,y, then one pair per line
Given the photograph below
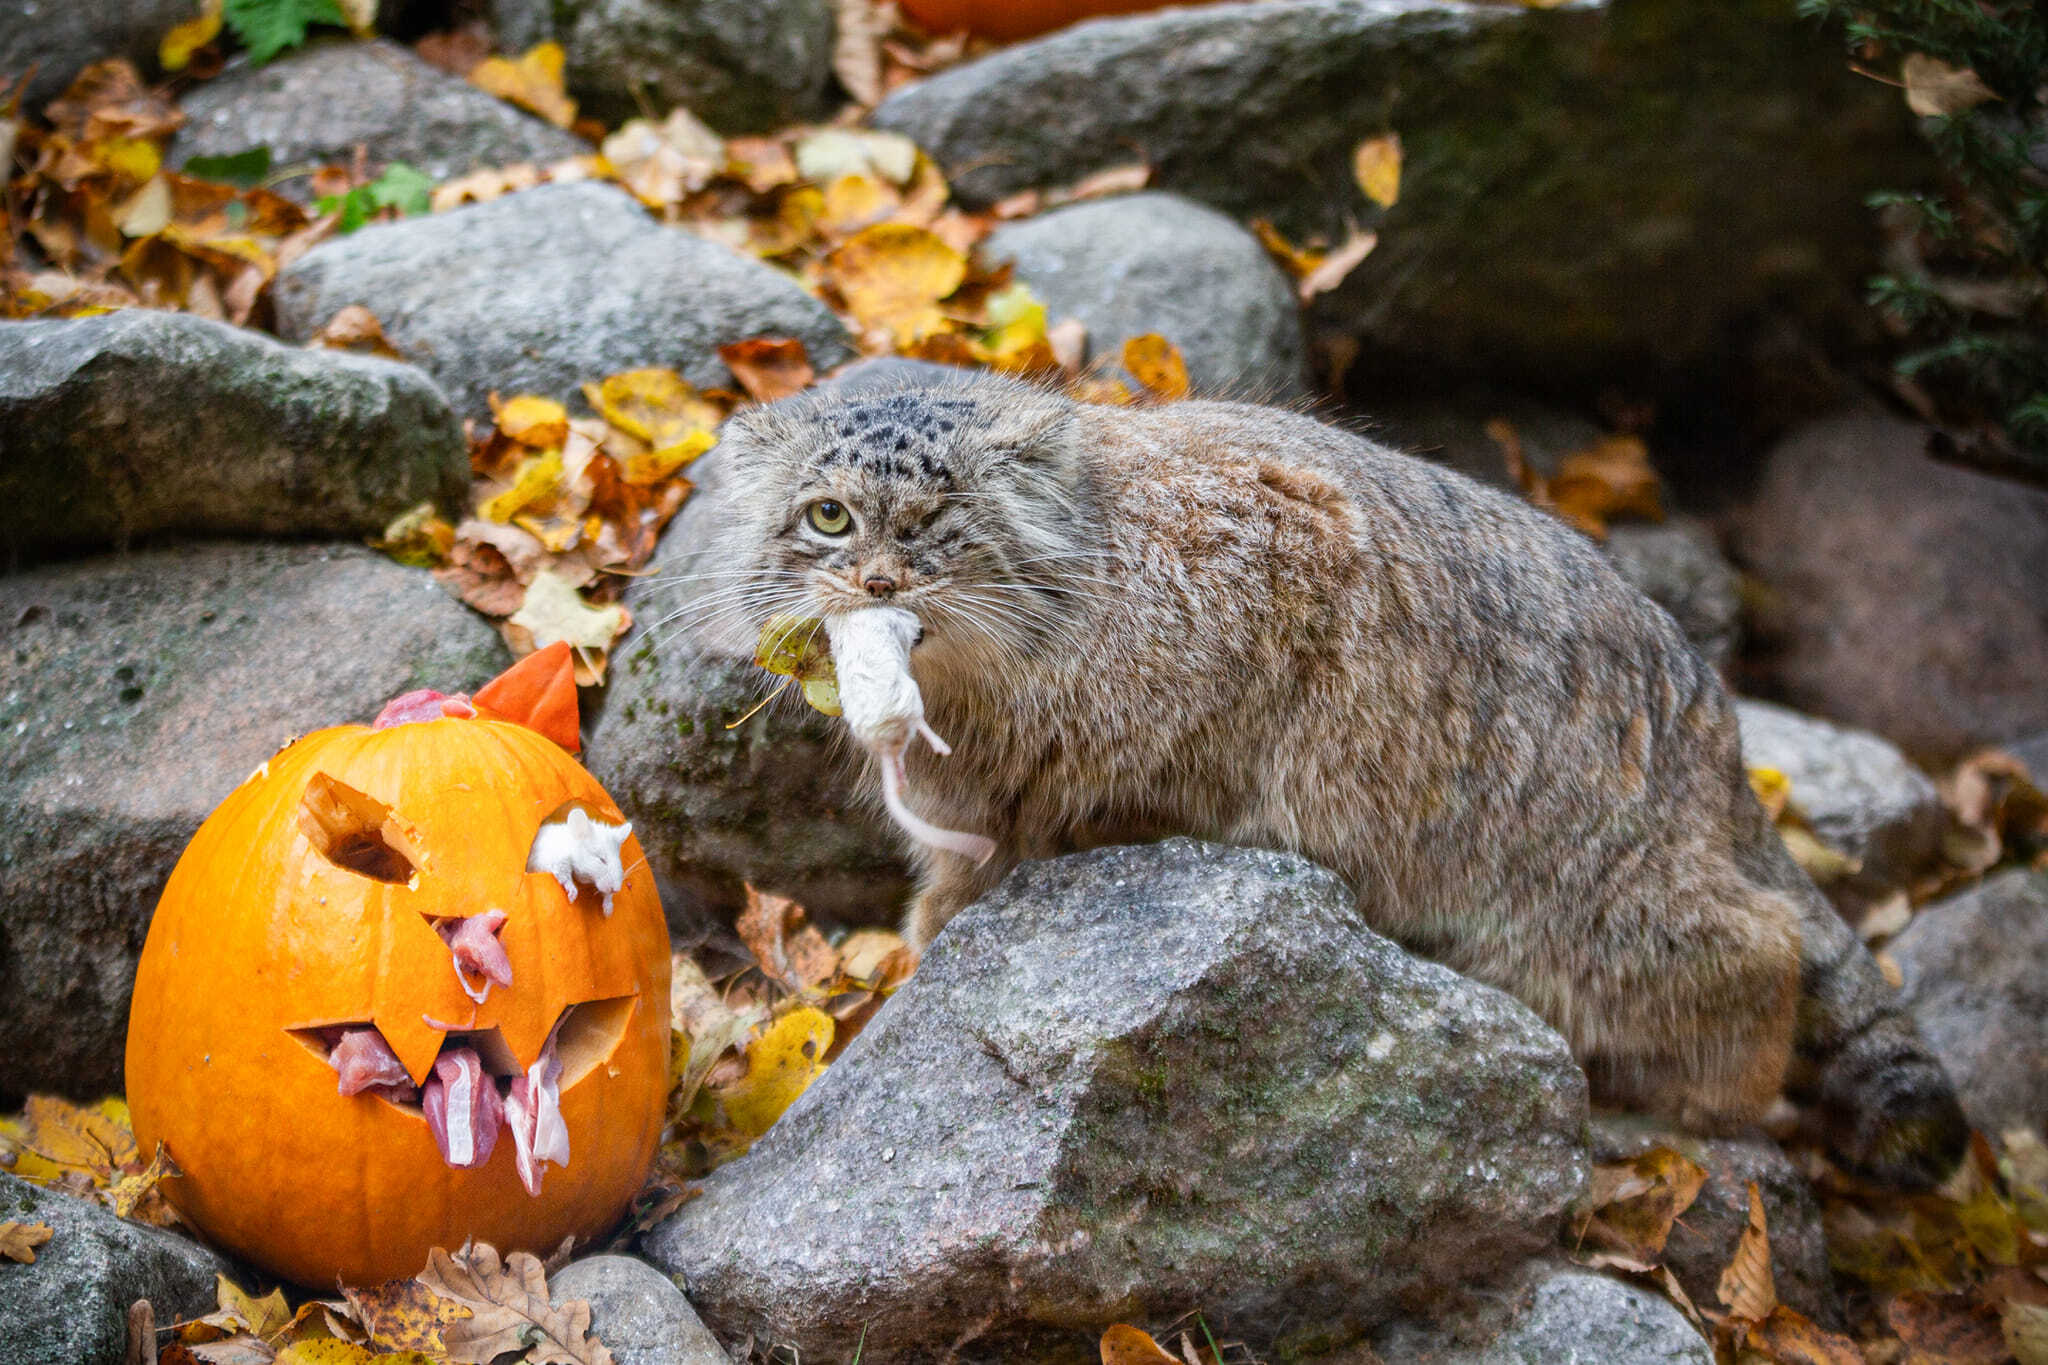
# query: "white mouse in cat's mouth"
x,y
884,708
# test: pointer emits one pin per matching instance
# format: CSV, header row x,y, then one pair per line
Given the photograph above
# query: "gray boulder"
x,y
1859,793
71,1304
1558,1316
1128,1081
1975,985
140,421
1901,595
542,291
1521,128
1162,263
319,104
135,693
1677,564
56,39
740,65
1703,1240
770,801
637,1312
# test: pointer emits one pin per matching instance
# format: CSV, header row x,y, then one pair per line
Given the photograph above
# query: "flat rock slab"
x,y
1133,1080
317,105
135,693
1860,794
1520,129
637,1312
740,65
71,1304
541,291
1140,263
1975,983
716,805
136,422
1903,596
1561,1316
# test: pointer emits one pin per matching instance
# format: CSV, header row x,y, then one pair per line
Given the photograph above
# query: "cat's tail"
x,y
1887,1108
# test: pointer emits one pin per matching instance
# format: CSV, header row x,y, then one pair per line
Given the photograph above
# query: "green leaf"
x,y
242,168
400,187
268,27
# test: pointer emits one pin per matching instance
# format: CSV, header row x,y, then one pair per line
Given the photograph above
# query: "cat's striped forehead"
x,y
910,435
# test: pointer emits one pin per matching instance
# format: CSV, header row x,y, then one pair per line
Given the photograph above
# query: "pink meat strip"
x,y
474,941
533,1111
366,1062
463,1108
425,704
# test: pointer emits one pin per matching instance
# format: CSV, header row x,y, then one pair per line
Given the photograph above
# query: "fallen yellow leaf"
x,y
534,481
18,1241
553,610
540,423
781,1064
531,81
1156,363
1126,1345
893,275
1934,88
175,50
1376,164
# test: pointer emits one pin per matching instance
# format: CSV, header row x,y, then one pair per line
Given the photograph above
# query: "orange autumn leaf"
x,y
405,1315
1376,165
18,1241
1746,1286
355,328
1634,1203
532,81
1126,1345
768,368
1156,363
892,276
1787,1337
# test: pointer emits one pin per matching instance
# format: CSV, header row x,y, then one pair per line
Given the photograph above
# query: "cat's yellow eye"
x,y
830,517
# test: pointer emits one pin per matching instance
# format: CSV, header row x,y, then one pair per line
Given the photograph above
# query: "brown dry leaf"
x,y
1634,1203
2026,1332
1337,265
137,1196
1124,179
509,1310
1935,89
768,368
455,51
1948,1329
1376,165
893,276
1787,1337
663,163
532,81
1156,363
1609,479
857,48
1126,1345
242,1349
18,1241
791,953
1746,1286
355,328
405,1315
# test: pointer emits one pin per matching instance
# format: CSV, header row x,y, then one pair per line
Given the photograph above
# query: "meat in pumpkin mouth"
x,y
476,1089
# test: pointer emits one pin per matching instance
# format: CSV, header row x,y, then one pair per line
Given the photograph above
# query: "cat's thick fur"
x,y
1240,624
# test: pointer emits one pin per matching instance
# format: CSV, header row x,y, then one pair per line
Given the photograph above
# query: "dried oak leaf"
x,y
509,1310
405,1315
790,951
1123,1344
1634,1203
769,368
18,1241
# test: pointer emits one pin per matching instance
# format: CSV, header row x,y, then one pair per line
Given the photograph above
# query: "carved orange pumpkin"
x,y
1008,20
315,910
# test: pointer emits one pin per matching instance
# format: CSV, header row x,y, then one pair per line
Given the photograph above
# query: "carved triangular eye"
x,y
356,831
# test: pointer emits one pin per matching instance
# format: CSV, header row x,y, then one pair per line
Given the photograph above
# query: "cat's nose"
x,y
878,585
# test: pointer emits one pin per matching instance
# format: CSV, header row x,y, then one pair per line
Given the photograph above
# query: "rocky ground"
x,y
1134,1085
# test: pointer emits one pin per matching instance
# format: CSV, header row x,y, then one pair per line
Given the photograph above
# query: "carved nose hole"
x,y
878,586
356,831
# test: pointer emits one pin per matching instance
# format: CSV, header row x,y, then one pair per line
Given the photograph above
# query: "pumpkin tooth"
x,y
474,946
533,1111
365,1062
463,1108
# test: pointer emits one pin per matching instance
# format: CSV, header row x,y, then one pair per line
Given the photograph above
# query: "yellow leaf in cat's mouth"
x,y
797,647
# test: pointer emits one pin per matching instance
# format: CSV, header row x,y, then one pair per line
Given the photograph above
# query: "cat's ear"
x,y
1031,427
